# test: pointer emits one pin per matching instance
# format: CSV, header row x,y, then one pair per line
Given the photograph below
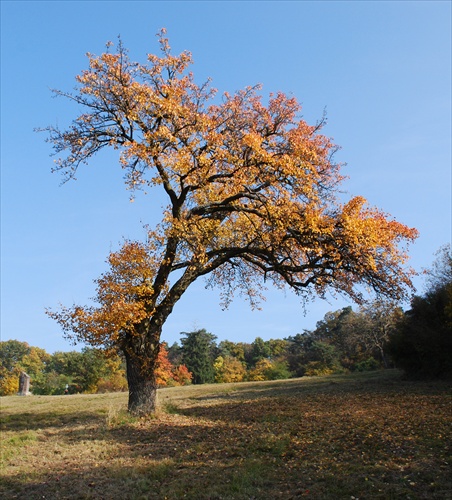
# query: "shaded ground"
x,y
363,436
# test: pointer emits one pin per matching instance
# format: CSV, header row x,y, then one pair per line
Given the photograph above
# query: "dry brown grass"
x,y
339,437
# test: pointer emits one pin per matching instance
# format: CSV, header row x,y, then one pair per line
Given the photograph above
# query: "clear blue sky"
x,y
381,69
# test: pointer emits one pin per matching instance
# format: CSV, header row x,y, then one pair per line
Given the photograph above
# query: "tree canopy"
x,y
252,199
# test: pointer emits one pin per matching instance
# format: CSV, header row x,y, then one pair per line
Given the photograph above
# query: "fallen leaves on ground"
x,y
361,436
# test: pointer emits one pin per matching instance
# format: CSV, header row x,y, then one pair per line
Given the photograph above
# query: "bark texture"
x,y
142,386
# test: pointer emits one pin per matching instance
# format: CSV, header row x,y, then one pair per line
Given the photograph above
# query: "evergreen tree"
x,y
260,349
199,353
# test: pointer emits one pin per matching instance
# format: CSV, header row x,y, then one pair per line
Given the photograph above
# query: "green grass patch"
x,y
12,444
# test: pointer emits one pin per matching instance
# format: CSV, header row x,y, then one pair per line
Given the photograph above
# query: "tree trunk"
x,y
142,347
142,385
383,357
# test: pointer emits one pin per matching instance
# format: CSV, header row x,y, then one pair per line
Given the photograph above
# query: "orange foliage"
x,y
169,375
163,371
181,375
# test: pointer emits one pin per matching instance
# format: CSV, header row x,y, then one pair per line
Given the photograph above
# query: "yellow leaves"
x,y
9,381
259,372
132,271
354,206
368,227
228,369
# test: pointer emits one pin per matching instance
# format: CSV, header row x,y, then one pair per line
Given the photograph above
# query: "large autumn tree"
x,y
251,199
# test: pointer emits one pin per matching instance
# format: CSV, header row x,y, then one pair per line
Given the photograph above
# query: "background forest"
x,y
377,335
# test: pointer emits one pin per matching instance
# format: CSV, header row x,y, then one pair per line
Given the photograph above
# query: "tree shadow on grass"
x,y
53,419
325,444
171,458
378,382
214,452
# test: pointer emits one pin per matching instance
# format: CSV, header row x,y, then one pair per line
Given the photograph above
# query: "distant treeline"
x,y
376,336
88,371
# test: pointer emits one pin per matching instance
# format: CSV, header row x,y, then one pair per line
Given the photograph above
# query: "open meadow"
x,y
370,435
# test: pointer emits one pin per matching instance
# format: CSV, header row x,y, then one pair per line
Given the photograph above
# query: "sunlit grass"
x,y
366,435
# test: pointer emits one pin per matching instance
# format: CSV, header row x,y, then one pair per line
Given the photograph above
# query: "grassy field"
x,y
360,436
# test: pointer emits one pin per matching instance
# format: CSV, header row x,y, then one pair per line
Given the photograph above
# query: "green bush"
x,y
367,365
278,371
